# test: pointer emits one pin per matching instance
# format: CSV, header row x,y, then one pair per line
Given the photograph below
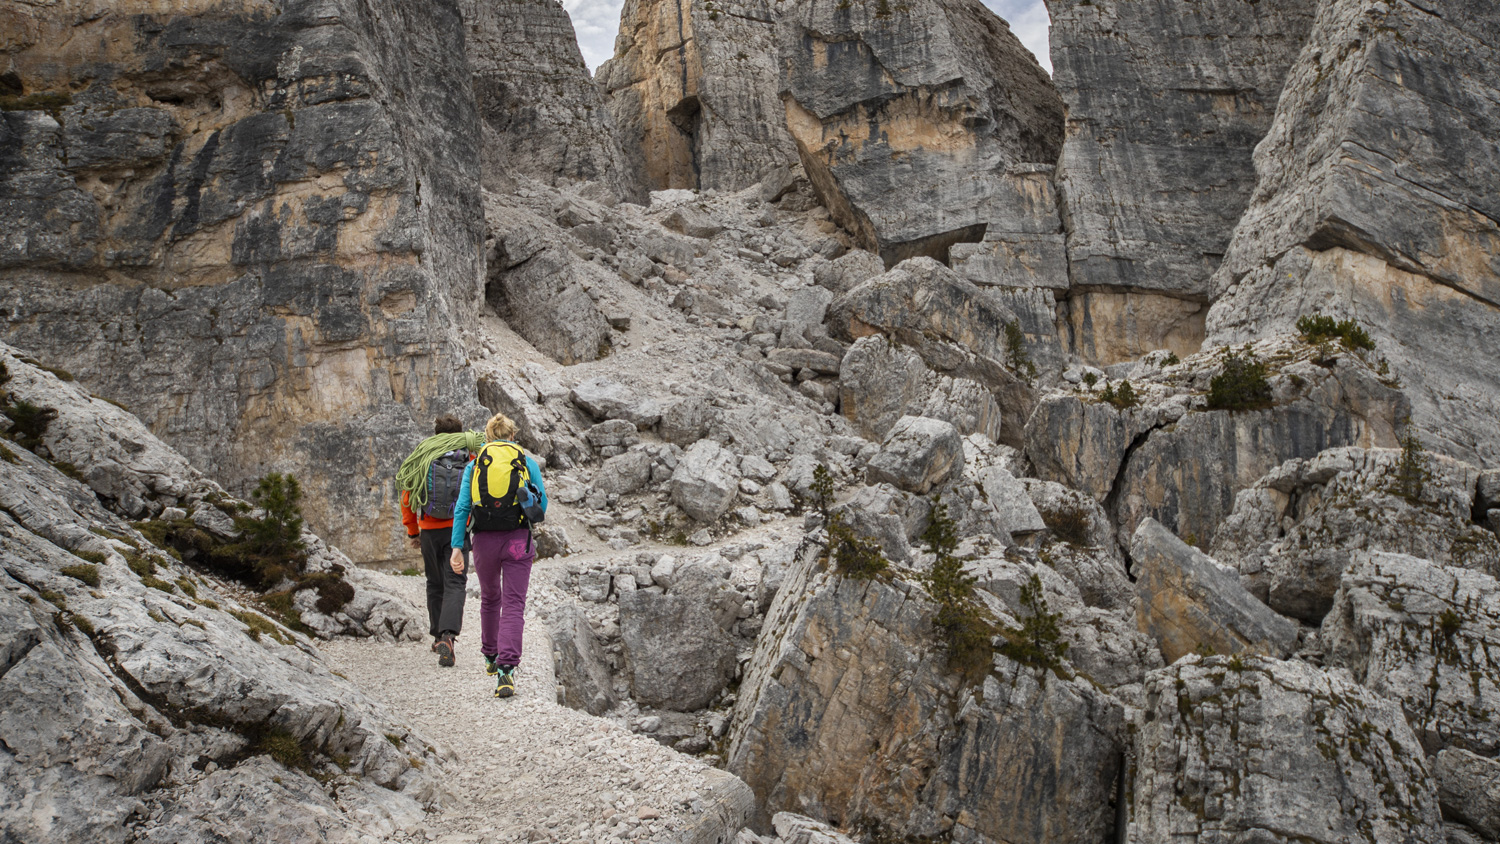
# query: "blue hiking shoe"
x,y
490,667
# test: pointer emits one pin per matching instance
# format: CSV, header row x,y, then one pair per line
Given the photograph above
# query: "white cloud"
x,y
597,21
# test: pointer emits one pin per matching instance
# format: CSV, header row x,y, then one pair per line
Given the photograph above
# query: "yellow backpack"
x,y
496,489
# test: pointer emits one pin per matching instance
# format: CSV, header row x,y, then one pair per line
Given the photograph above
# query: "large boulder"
x,y
848,714
1375,84
1254,749
1187,602
920,125
278,287
1468,788
540,287
880,382
918,454
1186,474
678,652
1292,533
706,480
957,329
1420,634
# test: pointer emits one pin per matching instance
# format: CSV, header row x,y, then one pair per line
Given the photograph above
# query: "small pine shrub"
x,y
1069,523
1123,398
1316,328
821,490
1039,641
1242,385
1412,472
1015,350
1090,379
851,555
965,632
29,422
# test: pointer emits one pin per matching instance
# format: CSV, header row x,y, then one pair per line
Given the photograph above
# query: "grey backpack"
x,y
443,481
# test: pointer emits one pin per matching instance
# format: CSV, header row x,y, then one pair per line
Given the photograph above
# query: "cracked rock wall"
x,y
254,224
1390,106
1166,101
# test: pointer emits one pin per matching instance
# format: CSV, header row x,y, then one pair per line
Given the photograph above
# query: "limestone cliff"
x,y
692,88
920,124
1377,200
541,114
254,223
1166,100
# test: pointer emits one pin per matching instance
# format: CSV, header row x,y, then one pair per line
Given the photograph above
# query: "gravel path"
x,y
525,768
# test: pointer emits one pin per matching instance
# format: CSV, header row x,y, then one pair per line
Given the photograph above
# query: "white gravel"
x,y
522,768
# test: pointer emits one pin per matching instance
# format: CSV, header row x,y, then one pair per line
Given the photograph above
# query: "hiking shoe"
x,y
490,667
444,649
505,686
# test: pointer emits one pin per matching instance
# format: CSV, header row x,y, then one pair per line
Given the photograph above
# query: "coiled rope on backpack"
x,y
412,476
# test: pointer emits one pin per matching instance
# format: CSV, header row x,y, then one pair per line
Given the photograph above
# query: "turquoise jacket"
x,y
465,503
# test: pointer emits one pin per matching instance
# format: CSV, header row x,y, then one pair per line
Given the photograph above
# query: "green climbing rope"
x,y
412,476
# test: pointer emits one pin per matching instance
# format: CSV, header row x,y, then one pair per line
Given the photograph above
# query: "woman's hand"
x,y
456,560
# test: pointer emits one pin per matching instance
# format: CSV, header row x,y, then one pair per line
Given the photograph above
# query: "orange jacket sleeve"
x,y
408,518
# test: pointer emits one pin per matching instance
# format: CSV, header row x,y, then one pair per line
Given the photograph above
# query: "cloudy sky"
x,y
597,21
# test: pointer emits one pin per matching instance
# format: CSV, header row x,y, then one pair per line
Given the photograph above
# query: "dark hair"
x,y
447,424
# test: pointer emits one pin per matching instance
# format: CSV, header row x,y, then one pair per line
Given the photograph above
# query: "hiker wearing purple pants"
x,y
502,557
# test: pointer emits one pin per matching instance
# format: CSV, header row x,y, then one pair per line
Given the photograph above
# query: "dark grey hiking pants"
x,y
445,589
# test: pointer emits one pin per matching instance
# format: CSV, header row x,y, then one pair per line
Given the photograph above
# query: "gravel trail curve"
x,y
525,768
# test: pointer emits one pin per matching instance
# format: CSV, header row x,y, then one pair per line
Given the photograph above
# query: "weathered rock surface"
x,y
126,677
956,328
1087,553
1292,533
847,714
1468,787
1424,635
1187,474
920,125
693,90
583,680
679,653
1187,602
1166,100
1390,106
541,114
1253,749
918,454
263,217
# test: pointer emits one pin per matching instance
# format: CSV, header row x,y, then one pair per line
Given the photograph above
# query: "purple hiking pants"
x,y
502,559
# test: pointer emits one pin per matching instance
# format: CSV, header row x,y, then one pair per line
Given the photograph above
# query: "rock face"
x,y
1166,99
1422,634
880,382
541,114
921,124
1187,475
264,217
124,674
692,88
1260,750
680,656
1187,602
582,675
848,716
1469,790
1381,83
1292,533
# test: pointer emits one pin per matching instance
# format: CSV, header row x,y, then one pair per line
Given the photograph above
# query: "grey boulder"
x,y
706,481
918,454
